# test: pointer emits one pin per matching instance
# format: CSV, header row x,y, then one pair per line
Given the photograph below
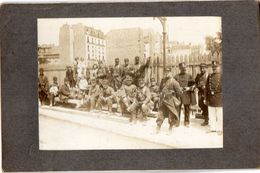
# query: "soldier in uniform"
x,y
101,72
155,96
54,90
188,97
43,87
65,91
200,81
93,95
128,94
117,75
169,101
214,99
127,69
106,96
142,104
139,69
70,77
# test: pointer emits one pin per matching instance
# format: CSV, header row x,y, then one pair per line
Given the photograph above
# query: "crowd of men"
x,y
102,86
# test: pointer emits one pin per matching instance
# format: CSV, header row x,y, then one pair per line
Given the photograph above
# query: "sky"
x,y
182,29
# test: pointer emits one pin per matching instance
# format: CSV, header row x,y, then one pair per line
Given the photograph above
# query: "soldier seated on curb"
x,y
154,89
127,97
92,97
64,92
54,91
106,96
142,104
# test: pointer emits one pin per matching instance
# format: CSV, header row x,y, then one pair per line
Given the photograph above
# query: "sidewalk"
x,y
182,137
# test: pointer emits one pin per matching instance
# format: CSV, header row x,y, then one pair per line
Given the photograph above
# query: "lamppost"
x,y
163,22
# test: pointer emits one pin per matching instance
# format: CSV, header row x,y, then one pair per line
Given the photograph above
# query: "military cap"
x,y
41,70
203,65
215,63
128,78
137,57
126,59
55,78
66,79
167,69
182,64
93,79
153,79
116,58
105,81
141,80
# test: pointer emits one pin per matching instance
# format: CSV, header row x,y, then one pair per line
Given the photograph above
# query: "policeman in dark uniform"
x,y
188,97
169,101
214,99
200,81
43,87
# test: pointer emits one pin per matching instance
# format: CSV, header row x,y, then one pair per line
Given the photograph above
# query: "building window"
x,y
88,39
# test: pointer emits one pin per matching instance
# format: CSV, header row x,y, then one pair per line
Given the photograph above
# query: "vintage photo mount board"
x,y
241,71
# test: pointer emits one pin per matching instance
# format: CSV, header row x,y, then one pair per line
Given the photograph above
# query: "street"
x,y
67,129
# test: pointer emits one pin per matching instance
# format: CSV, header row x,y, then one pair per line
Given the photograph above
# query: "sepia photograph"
x,y
130,83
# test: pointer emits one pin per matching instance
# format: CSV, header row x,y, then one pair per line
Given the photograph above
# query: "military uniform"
x,y
70,77
43,87
154,89
200,81
169,103
214,99
54,91
93,95
142,104
64,92
106,96
188,97
117,77
126,94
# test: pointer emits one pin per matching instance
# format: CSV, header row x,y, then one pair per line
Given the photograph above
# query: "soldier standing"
x,y
214,99
200,81
106,96
43,87
187,98
70,77
127,69
169,103
117,75
139,69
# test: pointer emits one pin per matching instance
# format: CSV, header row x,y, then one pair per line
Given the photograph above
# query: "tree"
x,y
214,44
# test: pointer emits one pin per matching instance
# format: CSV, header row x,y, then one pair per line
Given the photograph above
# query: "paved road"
x,y
59,135
62,128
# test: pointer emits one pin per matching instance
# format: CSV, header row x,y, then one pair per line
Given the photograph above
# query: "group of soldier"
x,y
126,87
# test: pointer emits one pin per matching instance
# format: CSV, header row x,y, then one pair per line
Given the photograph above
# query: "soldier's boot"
x,y
205,123
187,124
